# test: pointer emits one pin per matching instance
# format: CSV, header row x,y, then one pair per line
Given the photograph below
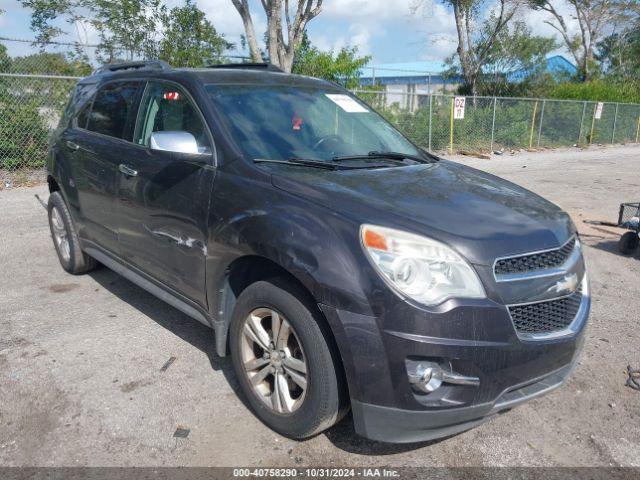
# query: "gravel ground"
x,y
81,358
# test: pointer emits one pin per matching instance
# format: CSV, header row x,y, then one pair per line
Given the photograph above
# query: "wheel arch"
x,y
245,271
53,184
238,275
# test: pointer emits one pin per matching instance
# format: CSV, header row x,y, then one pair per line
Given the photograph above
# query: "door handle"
x,y
72,146
128,171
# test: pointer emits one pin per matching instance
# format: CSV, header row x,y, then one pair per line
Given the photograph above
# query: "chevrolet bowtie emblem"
x,y
568,284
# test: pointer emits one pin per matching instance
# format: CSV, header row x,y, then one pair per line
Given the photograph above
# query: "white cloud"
x,y
357,34
359,23
362,10
437,31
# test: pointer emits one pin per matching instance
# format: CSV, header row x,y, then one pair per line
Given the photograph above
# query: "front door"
x,y
164,196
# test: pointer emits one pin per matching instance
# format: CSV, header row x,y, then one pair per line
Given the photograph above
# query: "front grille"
x,y
535,261
546,317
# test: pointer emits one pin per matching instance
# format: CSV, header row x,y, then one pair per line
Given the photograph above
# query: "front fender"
x,y
317,246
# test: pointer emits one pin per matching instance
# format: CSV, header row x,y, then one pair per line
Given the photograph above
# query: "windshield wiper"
x,y
384,155
303,162
300,162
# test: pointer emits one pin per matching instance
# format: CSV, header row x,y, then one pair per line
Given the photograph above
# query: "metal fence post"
x,y
430,110
615,120
453,99
493,123
593,123
584,111
533,123
540,126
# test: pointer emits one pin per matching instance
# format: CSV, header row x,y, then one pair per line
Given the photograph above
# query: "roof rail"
x,y
255,65
142,64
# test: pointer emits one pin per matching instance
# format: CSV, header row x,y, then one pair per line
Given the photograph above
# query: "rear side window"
x,y
113,109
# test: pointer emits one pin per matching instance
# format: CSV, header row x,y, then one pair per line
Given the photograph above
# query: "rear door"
x,y
100,146
164,196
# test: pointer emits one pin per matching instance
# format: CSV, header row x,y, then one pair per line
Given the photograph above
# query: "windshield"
x,y
283,122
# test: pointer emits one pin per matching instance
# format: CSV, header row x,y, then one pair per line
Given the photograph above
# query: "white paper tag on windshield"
x,y
346,103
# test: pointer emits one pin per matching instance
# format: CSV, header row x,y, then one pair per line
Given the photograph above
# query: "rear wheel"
x,y
628,243
65,238
285,361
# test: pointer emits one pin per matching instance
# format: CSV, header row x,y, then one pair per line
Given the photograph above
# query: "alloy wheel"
x,y
60,234
273,360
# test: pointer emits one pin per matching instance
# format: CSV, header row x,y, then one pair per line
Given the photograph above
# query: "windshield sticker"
x,y
346,103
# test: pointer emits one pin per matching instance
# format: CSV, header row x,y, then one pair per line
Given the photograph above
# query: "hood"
x,y
480,215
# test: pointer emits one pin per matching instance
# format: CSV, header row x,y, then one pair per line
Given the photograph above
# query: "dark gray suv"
x,y
340,265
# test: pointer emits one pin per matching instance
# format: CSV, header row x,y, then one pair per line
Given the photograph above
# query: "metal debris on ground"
x,y
181,432
167,364
42,202
633,377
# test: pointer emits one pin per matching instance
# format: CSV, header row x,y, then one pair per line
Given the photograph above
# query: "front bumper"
x,y
396,425
476,338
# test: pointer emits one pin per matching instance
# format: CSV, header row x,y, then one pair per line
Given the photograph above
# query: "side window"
x,y
113,109
166,108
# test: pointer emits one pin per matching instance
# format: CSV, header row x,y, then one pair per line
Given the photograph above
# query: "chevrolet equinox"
x,y
340,265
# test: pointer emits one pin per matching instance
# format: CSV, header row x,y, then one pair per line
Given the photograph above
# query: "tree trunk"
x,y
463,40
281,53
242,6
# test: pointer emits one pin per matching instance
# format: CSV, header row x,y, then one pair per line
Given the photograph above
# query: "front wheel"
x,y
285,361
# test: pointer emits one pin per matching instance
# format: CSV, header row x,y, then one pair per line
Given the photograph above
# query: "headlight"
x,y
427,271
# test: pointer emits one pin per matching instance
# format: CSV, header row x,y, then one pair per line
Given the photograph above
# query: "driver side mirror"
x,y
175,141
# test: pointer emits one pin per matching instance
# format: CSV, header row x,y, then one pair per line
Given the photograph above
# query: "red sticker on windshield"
x,y
296,122
171,96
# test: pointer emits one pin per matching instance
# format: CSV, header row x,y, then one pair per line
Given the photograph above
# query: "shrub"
x,y
600,90
23,130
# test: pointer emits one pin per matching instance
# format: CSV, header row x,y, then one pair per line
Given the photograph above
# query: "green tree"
x,y
593,18
50,64
45,13
5,60
516,49
127,28
476,37
619,53
342,67
190,40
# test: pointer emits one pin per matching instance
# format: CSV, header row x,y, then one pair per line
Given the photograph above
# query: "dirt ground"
x,y
81,358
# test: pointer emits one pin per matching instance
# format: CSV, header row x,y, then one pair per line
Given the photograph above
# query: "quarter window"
x,y
166,108
83,116
112,110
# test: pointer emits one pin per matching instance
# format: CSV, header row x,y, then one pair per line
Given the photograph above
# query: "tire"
x,y
65,238
324,400
628,243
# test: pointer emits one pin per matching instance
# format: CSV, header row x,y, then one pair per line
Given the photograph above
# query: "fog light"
x,y
429,376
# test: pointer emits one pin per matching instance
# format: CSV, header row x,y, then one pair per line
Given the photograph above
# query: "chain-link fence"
x,y
35,84
35,87
30,108
491,124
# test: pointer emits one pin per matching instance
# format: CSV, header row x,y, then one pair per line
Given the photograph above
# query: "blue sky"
x,y
385,29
